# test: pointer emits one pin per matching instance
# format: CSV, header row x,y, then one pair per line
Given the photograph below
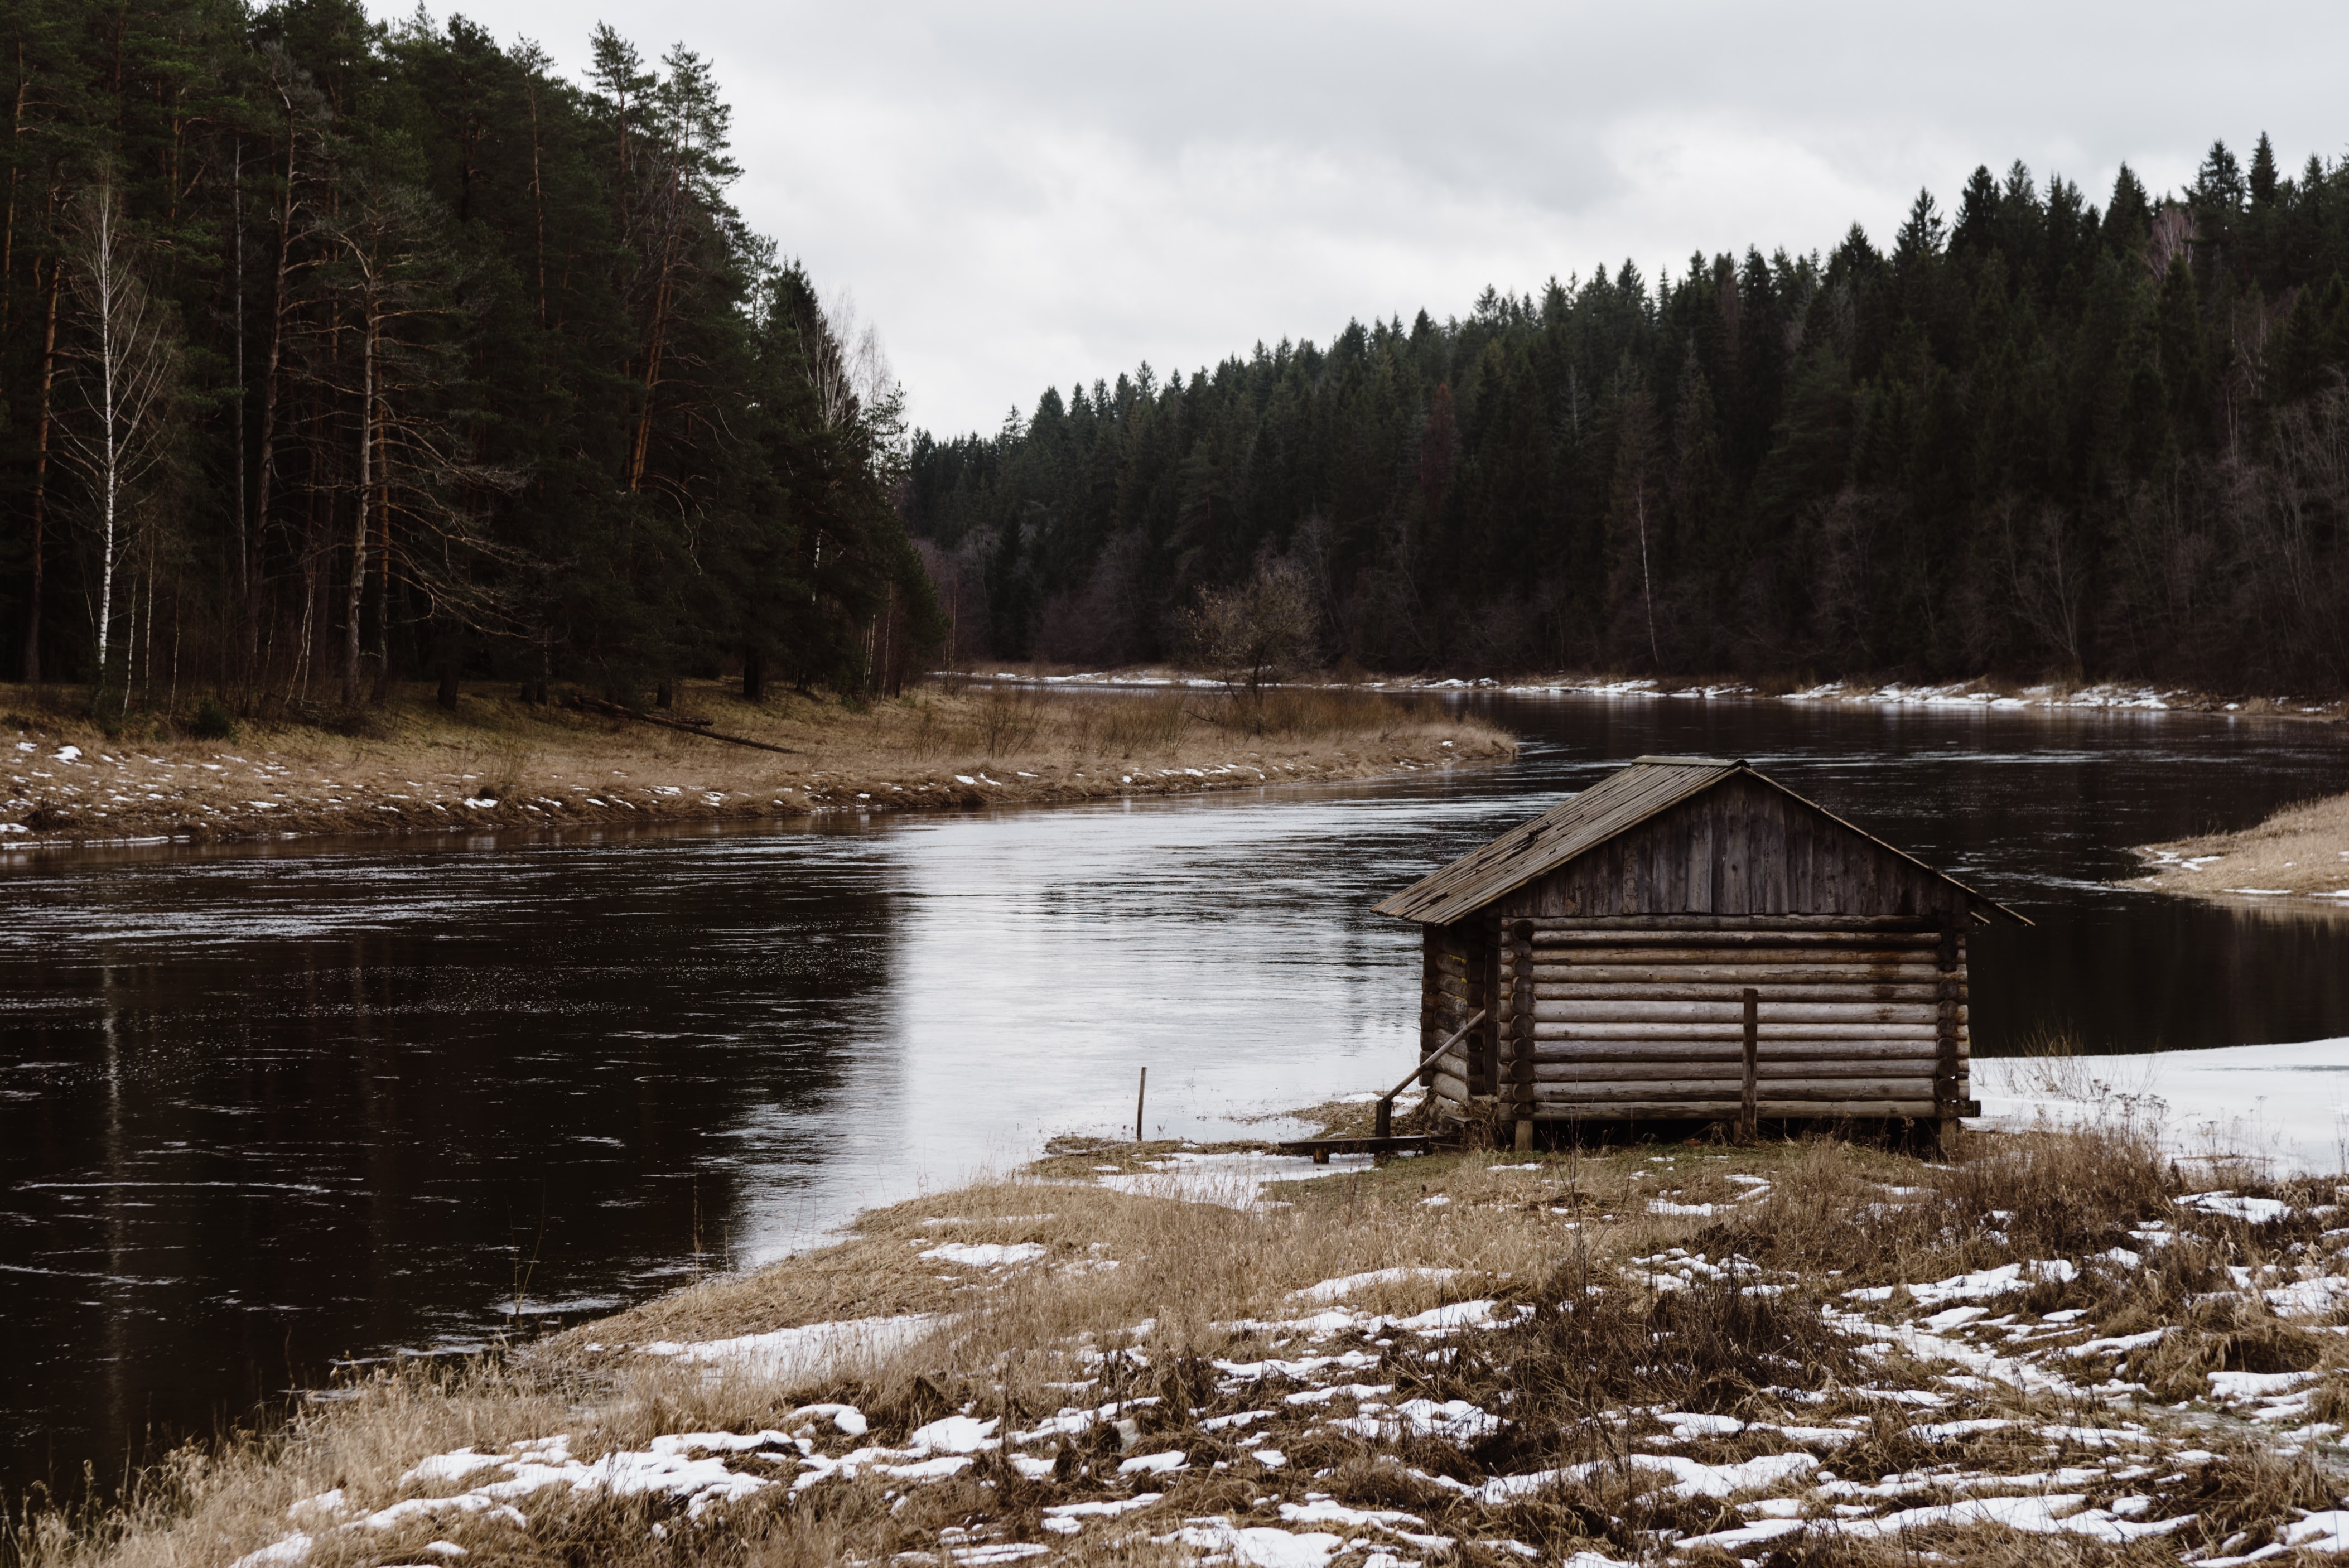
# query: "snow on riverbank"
x,y
1968,694
2282,1107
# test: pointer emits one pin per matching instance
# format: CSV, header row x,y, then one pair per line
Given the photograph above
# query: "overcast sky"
x,y
1021,196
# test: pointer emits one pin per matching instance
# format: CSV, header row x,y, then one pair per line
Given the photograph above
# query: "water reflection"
x,y
260,1109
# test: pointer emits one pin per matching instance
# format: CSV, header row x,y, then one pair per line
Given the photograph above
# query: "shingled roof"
x,y
1617,803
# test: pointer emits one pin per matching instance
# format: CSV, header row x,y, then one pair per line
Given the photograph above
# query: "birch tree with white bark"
x,y
116,427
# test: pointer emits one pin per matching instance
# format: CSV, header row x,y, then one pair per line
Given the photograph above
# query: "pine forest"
x,y
2033,437
339,352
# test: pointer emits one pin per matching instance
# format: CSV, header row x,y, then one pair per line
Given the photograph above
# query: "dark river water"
x,y
265,1110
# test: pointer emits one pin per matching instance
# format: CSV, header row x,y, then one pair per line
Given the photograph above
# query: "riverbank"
x,y
411,767
1159,1353
1980,693
2298,854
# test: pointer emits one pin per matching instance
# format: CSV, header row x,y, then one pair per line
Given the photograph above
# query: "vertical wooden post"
x,y
1431,994
1748,1103
1482,958
1140,1089
1521,1030
1945,1041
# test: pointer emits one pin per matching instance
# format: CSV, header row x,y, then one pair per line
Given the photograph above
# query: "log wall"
x,y
1600,1018
1457,980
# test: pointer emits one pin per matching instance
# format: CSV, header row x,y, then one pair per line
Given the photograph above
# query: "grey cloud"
x,y
1025,194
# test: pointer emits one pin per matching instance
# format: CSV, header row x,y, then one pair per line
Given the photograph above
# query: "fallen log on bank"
x,y
688,726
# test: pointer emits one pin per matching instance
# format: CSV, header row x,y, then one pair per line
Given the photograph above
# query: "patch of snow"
x,y
1980,1285
294,1548
1257,1545
809,1351
987,1255
2228,1205
1068,1517
2236,1386
956,1435
1234,1180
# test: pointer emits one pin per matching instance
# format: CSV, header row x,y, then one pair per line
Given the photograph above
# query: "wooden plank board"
x,y
1734,973
1678,952
1782,1050
1741,928
1727,1090
1544,924
1710,1033
1710,1072
1721,1109
1775,1009
1926,994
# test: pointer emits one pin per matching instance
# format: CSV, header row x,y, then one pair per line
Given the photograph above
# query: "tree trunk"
x,y
538,206
41,475
8,239
383,570
109,465
641,447
266,466
354,596
754,673
236,289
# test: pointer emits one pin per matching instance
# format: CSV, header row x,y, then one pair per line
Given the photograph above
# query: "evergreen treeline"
x,y
2041,436
337,352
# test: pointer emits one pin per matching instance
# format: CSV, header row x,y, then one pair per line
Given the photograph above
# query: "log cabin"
x,y
1688,939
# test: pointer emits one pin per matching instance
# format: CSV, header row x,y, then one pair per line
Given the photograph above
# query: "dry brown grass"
x,y
414,766
2301,849
1196,1280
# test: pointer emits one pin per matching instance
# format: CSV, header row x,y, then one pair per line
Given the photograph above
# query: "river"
x,y
264,1111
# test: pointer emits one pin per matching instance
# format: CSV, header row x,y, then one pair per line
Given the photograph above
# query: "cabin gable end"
x,y
1742,847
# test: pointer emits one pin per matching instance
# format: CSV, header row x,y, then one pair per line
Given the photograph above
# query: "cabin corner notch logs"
x,y
1690,939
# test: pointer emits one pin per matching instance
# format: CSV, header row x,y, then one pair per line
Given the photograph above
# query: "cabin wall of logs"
x,y
1609,1018
1733,952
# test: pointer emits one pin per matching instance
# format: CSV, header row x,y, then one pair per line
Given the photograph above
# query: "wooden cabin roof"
x,y
1609,809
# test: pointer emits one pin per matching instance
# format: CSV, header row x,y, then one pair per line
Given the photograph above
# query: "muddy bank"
x,y
413,768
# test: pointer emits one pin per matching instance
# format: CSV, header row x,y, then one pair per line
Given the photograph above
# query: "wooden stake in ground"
x,y
1141,1090
1746,1105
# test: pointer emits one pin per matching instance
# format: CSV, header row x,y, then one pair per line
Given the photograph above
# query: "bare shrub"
x,y
1140,725
1008,721
505,768
1264,629
1308,715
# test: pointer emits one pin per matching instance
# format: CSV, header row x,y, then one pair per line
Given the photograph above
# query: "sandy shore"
x,y
413,768
2299,855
